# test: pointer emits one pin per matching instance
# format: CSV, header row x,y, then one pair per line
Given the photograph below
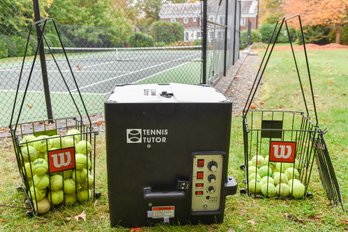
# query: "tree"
x,y
167,32
325,12
271,11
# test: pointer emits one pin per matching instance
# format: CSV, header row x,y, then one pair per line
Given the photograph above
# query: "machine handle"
x,y
149,195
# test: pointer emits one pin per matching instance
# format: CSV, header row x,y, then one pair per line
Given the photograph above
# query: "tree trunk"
x,y
338,33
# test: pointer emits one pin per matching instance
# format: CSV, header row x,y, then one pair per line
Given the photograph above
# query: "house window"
x,y
194,19
187,36
186,20
173,20
198,34
242,21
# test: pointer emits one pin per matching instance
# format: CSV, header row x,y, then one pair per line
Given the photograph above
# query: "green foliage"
x,y
167,32
160,44
344,35
255,36
243,38
141,40
319,34
197,42
266,31
3,49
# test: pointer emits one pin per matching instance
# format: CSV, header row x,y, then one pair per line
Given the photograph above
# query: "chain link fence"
x,y
124,43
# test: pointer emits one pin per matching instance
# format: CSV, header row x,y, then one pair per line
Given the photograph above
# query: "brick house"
x,y
188,14
249,13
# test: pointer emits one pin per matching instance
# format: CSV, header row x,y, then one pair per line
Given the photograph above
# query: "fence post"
x,y
43,60
226,34
205,40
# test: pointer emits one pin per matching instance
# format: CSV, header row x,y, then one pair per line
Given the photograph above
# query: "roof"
x,y
249,8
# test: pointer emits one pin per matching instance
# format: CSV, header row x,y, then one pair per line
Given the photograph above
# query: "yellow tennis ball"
x,y
83,195
42,206
68,142
29,153
28,139
67,174
57,142
56,182
37,194
88,183
42,143
69,186
81,161
56,197
42,181
83,147
76,134
28,170
79,175
40,166
69,199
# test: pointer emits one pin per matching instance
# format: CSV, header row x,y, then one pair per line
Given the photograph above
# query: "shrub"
x,y
167,32
266,31
344,35
318,34
255,36
141,40
3,49
197,42
243,38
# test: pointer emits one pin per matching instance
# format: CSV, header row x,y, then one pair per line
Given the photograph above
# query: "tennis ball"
x,y
257,160
68,142
79,176
281,167
40,166
42,143
254,176
252,169
292,173
42,206
69,186
56,182
29,153
57,141
76,134
69,199
28,139
83,195
267,179
282,190
255,186
265,171
67,174
297,190
275,173
268,190
28,170
41,182
80,161
83,147
56,197
292,181
280,178
37,194
88,183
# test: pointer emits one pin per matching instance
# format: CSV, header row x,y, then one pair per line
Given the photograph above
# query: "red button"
x,y
200,163
199,185
200,175
199,192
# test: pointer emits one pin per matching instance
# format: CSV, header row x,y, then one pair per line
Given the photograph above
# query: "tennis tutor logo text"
x,y
146,135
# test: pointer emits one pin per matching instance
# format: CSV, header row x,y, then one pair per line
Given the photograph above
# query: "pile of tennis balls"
x,y
67,187
274,178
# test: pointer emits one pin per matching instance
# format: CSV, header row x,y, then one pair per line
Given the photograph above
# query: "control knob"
x,y
211,189
212,166
212,178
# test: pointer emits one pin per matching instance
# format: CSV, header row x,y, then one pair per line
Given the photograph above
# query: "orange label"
x,y
61,159
282,151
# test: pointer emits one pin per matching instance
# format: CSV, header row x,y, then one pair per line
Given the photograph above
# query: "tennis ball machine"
x,y
167,154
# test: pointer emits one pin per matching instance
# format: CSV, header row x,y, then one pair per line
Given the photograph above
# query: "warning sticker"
x,y
163,211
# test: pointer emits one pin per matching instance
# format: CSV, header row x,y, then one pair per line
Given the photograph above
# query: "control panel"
x,y
206,182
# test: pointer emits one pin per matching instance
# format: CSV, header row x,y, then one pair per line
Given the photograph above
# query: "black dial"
x,y
211,189
212,166
212,178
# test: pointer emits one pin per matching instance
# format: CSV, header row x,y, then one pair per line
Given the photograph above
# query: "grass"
x,y
243,213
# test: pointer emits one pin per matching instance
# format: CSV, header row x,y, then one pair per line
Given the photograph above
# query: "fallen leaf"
x,y
293,218
30,106
68,219
344,221
231,230
252,222
81,216
252,106
95,203
136,229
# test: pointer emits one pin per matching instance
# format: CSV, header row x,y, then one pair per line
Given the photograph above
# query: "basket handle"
x,y
265,60
42,39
